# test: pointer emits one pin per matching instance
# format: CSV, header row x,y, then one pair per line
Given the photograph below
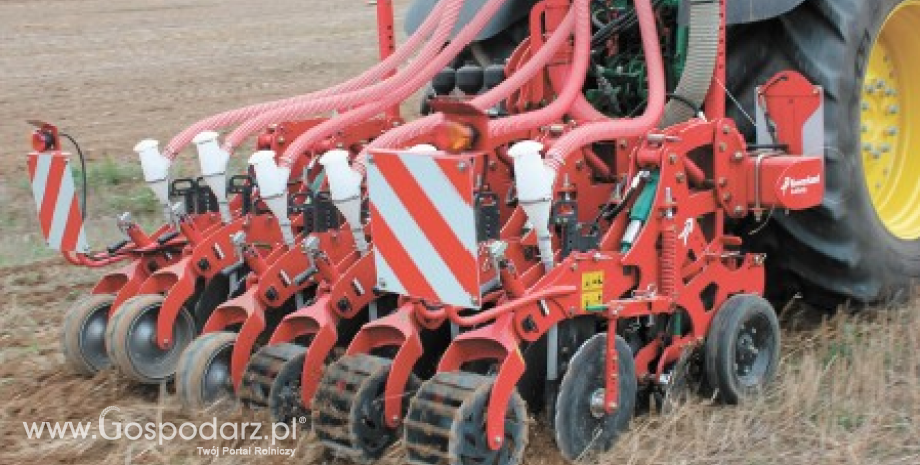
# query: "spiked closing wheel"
x,y
132,345
446,423
742,349
582,425
203,378
83,334
348,410
272,379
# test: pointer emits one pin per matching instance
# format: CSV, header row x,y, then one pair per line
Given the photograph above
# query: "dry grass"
x,y
848,393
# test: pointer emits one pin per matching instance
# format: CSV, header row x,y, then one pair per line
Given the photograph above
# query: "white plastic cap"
x,y
344,182
271,178
345,190
211,157
272,181
213,161
533,181
155,167
423,148
154,164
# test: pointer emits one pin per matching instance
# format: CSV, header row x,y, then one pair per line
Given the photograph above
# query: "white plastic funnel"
x,y
534,184
272,182
156,171
213,161
345,189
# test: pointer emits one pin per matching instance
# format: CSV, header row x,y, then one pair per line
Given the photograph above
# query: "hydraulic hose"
x,y
619,128
376,73
406,88
376,92
402,135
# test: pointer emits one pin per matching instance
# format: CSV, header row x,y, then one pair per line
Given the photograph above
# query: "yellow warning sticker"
x,y
592,289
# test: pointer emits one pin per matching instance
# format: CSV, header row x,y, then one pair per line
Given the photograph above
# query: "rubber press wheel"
x,y
203,378
863,241
131,340
83,334
582,425
742,348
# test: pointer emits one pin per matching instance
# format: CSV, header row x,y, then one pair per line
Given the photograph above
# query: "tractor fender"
x,y
738,12
752,11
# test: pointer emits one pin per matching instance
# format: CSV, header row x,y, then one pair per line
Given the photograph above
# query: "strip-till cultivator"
x,y
560,234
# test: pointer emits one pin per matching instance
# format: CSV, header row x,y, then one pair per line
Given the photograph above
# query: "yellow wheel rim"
x,y
891,121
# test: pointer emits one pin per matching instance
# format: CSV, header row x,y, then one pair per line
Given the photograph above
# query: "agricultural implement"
x,y
586,221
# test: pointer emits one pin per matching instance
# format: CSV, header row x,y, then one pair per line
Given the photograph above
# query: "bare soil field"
x,y
112,73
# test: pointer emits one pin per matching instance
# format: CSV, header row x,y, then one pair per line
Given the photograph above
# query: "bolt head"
x,y
497,439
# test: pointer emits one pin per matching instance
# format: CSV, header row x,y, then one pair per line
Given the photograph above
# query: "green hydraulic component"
x,y
640,212
620,87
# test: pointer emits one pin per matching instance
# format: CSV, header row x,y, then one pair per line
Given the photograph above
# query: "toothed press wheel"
x,y
348,410
446,423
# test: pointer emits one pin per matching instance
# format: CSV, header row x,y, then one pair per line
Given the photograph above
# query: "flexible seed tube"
x,y
374,74
466,35
400,136
376,92
572,88
619,128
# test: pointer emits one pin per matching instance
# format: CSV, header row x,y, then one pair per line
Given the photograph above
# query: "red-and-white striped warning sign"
x,y
56,201
424,226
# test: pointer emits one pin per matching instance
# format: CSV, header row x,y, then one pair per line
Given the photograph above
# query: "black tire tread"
x,y
840,250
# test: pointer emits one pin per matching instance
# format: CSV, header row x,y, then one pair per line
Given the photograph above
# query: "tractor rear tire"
x,y
847,249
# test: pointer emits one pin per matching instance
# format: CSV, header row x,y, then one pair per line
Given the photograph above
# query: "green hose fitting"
x,y
640,212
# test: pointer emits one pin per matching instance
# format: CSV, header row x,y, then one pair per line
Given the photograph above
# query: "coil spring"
x,y
669,260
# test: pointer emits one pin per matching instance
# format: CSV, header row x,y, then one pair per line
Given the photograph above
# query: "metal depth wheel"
x,y
348,410
890,107
446,423
83,334
272,380
203,378
742,349
131,340
582,425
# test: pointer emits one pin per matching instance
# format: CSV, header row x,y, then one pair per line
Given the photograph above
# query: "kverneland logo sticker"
x,y
793,186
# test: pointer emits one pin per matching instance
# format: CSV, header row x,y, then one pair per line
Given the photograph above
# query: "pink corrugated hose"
x,y
372,75
407,88
376,92
612,129
400,136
